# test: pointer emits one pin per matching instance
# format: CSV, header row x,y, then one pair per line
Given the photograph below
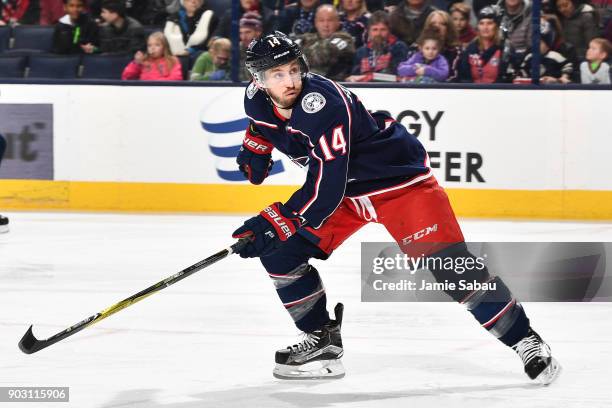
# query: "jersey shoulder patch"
x,y
313,102
251,90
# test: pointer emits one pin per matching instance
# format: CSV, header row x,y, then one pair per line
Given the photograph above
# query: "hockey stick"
x,y
30,344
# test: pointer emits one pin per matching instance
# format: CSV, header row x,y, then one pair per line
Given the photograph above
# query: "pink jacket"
x,y
153,70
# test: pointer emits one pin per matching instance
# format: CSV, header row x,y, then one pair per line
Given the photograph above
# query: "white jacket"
x,y
173,33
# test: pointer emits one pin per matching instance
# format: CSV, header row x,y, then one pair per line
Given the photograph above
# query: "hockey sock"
x,y
493,305
303,295
499,312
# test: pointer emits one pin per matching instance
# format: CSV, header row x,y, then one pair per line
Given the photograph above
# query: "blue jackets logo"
x,y
224,141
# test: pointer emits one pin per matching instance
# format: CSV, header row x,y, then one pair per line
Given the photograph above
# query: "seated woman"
x,y
157,64
484,61
189,29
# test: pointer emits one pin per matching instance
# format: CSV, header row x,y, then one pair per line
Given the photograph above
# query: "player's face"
x,y
284,83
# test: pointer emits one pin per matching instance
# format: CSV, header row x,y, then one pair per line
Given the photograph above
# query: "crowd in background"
x,y
425,41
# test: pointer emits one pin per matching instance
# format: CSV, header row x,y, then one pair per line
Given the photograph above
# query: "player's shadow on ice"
x,y
272,395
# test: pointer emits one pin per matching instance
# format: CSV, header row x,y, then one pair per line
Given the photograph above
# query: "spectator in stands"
x,y
408,19
298,18
579,23
381,54
563,47
554,67
250,29
329,51
224,28
596,69
189,29
517,20
12,11
354,17
427,65
451,48
483,61
147,12
119,34
51,11
76,32
460,14
214,64
156,64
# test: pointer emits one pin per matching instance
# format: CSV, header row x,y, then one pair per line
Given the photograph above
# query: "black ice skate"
x,y
4,224
535,353
316,357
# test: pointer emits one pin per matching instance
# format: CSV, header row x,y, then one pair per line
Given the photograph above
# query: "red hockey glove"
x,y
255,157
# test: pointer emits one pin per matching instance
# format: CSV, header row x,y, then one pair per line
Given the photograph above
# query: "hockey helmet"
x,y
271,51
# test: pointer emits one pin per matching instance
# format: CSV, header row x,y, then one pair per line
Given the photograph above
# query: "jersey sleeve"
x,y
327,174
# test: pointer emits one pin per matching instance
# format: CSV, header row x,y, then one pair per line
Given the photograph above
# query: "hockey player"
x,y
362,168
4,222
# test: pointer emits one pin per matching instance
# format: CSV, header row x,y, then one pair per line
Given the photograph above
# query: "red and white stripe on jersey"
x,y
261,123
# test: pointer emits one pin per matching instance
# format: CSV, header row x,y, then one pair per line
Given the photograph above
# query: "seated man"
x,y
329,51
120,34
381,54
250,29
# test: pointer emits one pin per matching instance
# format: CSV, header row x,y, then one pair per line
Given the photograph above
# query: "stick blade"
x,y
28,343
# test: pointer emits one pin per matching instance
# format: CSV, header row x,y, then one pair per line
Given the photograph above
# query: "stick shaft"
x,y
29,344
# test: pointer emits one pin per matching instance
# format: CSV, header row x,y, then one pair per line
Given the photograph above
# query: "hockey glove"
x,y
255,156
274,225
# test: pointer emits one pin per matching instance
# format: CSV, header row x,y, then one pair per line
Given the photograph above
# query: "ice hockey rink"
x,y
209,340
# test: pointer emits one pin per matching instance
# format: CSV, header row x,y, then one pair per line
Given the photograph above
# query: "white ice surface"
x,y
209,340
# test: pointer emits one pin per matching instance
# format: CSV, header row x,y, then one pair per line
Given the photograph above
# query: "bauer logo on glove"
x,y
255,156
274,225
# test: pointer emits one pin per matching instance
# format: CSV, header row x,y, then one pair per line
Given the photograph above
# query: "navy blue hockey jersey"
x,y
348,152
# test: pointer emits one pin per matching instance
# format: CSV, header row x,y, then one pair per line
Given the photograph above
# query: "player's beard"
x,y
286,98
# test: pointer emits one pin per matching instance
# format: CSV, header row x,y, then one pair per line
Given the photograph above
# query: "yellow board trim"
x,y
241,198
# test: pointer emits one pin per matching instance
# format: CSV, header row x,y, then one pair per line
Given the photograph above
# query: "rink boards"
x,y
500,153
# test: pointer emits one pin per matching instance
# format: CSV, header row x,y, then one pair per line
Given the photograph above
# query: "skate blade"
x,y
550,373
316,370
4,229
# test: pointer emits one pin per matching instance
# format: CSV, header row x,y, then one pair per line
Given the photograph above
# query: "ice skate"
x,y
4,224
539,363
315,357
